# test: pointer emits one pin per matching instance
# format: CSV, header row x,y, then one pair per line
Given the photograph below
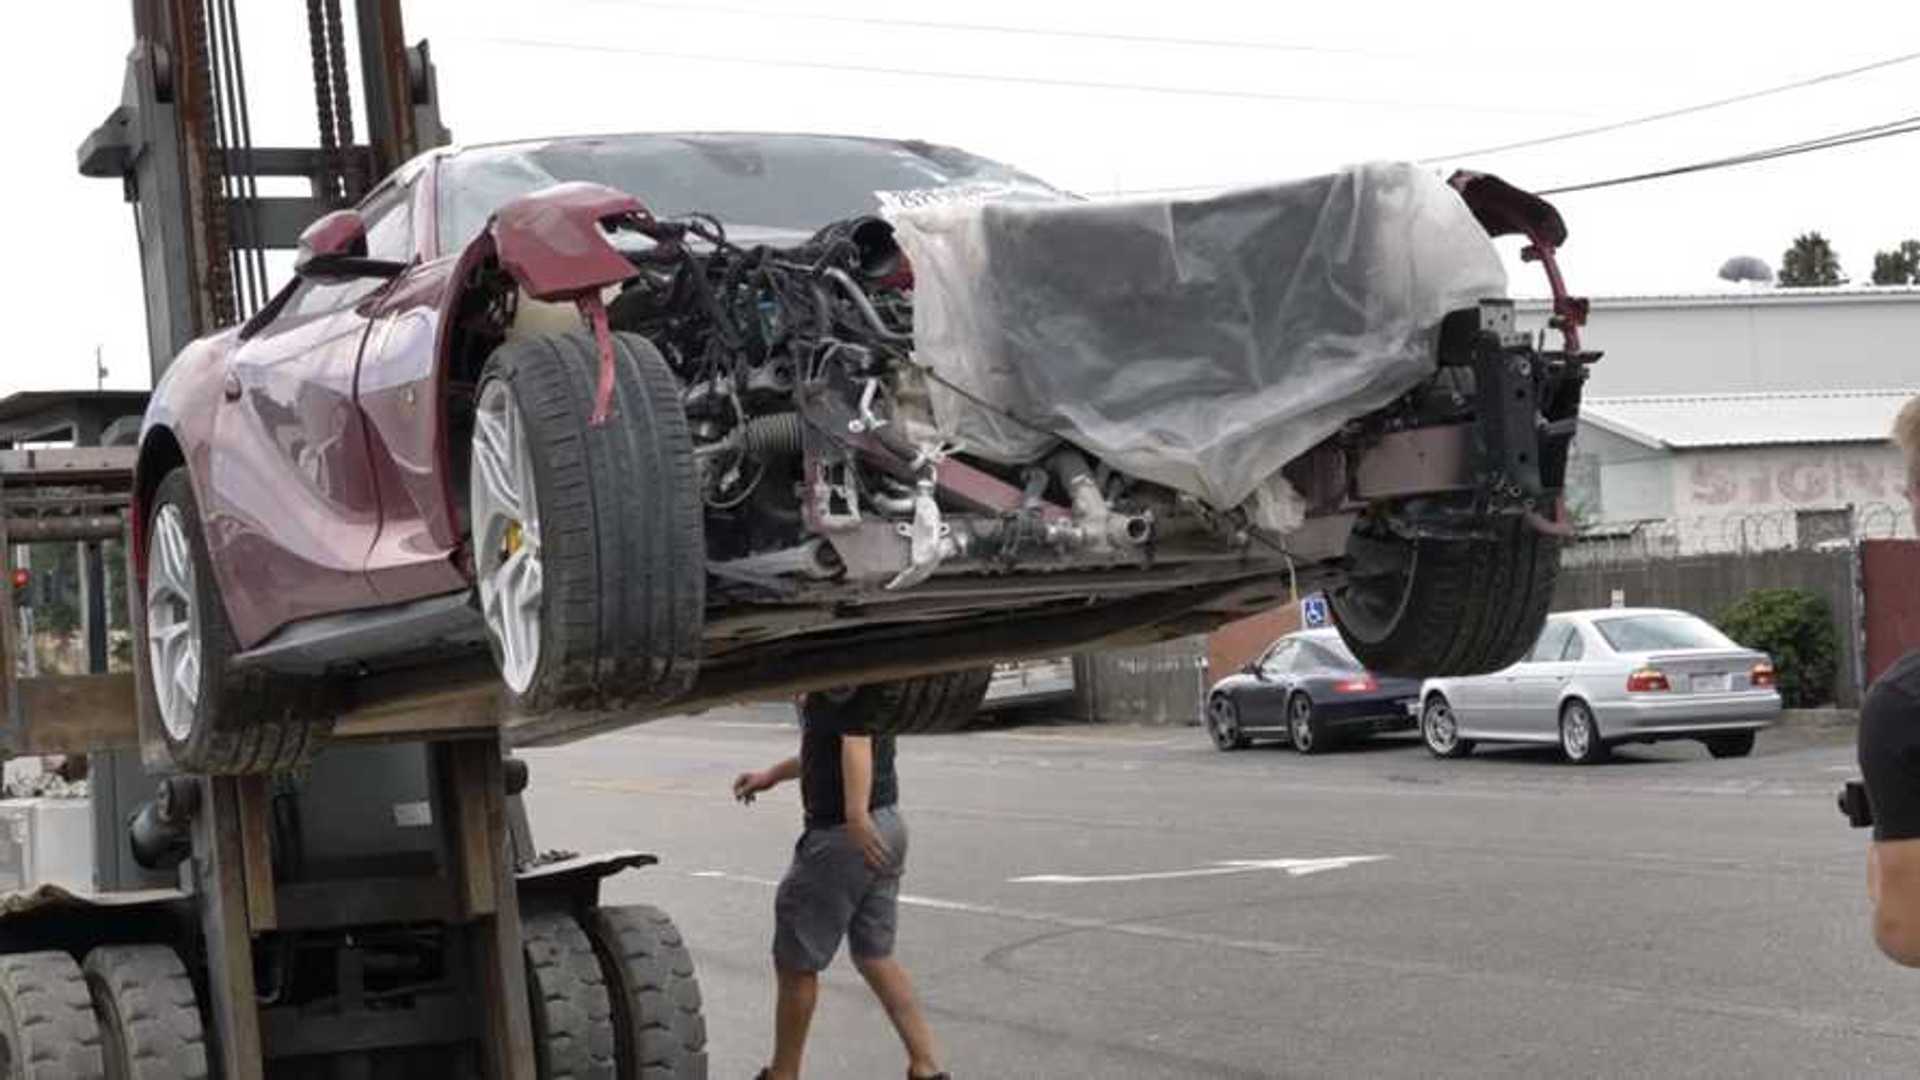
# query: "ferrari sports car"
x,y
1308,689
637,425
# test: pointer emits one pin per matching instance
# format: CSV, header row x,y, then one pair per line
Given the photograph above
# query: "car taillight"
x,y
1648,681
1365,684
1762,676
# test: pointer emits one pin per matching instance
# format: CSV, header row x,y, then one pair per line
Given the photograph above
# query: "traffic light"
x,y
22,578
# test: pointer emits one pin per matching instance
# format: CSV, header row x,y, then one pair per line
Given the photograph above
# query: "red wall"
x,y
1238,642
1890,580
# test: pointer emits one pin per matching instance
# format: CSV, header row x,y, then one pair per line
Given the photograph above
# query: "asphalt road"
x,y
1663,915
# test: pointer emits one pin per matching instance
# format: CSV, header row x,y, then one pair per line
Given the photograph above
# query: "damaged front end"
x,y
860,484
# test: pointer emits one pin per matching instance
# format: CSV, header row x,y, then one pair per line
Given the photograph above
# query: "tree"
x,y
1810,261
1901,266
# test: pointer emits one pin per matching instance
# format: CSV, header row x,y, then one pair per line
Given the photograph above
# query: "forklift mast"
x,y
181,143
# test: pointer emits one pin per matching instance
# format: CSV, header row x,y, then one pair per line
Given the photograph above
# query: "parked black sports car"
x,y
1308,689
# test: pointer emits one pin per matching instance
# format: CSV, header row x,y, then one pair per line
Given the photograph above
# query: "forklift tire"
x,y
610,608
1428,609
48,1030
238,721
149,1017
572,1026
930,705
658,1030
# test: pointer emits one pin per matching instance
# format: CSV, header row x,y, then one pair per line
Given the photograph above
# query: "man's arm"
x,y
856,776
749,784
1890,766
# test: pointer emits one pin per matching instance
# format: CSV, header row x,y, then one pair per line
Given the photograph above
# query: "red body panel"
x,y
291,509
551,242
400,396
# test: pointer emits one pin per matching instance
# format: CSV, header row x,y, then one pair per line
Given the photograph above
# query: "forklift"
x,y
382,913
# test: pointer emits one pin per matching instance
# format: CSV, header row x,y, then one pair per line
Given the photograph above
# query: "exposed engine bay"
x,y
839,467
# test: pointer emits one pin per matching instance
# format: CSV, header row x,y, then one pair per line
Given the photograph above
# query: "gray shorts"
x,y
830,893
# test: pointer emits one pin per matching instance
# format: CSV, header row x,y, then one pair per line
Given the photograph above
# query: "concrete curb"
x,y
1818,719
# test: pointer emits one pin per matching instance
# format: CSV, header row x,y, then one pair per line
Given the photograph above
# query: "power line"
x,y
1887,130
1001,28
1025,80
1904,126
1685,110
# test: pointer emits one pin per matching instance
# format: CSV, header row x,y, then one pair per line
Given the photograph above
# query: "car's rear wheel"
x,y
588,540
1580,737
1730,744
215,717
1432,608
930,705
1223,723
1304,728
1440,729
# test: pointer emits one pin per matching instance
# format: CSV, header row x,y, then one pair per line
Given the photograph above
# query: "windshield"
x,y
1651,633
788,183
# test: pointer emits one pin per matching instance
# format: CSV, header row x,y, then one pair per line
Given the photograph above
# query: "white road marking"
x,y
754,725
1293,868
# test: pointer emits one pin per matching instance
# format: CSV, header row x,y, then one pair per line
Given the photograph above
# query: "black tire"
x,y
149,1017
48,1030
1305,730
1730,744
1223,724
658,1030
572,1014
1442,608
1581,750
1436,719
246,720
932,705
623,537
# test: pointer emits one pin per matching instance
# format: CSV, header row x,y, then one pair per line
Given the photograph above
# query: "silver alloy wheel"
x,y
1300,722
1437,723
506,535
1222,723
173,623
1576,732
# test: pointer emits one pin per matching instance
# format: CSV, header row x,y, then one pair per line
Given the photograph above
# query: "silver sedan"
x,y
1598,678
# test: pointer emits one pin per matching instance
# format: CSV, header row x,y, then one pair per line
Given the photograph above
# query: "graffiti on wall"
x,y
1785,478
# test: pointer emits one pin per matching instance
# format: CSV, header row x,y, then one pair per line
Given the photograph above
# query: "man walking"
x,y
844,880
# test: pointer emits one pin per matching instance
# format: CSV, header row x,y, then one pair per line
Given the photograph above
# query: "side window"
x,y
1553,642
1279,661
1576,645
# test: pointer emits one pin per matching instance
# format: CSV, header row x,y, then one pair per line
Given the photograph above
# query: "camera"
x,y
1854,805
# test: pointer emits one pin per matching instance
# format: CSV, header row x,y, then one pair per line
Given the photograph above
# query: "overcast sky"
x,y
1202,92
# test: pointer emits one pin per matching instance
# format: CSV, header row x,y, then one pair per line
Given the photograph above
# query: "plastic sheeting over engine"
x,y
1198,343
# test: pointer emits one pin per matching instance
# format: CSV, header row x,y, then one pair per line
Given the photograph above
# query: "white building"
x,y
1754,419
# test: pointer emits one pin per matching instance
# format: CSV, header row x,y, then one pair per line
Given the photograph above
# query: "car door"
x,y
293,506
1264,703
1538,682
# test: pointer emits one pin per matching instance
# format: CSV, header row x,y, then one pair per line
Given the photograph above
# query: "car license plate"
x,y
1708,684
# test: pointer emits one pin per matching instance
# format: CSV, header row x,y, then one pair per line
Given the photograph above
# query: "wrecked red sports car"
x,y
649,423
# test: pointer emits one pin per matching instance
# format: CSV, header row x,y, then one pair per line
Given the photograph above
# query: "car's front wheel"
x,y
215,717
1223,724
589,551
1580,737
1431,608
1440,729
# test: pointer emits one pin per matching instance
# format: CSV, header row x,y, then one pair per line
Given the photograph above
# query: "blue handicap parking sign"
x,y
1313,612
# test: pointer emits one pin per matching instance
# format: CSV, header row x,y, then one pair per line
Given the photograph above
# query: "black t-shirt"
x,y
822,789
1890,750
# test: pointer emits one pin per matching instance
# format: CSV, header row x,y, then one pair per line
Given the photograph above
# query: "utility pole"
x,y
99,370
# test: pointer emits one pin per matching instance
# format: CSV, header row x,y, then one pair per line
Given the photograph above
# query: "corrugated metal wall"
x,y
1156,684
1708,584
1166,683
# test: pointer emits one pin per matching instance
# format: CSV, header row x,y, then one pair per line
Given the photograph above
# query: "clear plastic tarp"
x,y
1198,343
